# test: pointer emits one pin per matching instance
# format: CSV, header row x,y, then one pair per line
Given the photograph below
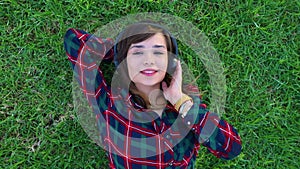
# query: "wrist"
x,y
183,99
173,100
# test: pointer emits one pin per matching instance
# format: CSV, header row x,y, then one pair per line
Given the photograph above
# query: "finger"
x,y
164,86
178,73
178,68
178,63
172,81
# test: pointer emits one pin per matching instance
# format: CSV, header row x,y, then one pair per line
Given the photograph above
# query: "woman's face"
x,y
147,62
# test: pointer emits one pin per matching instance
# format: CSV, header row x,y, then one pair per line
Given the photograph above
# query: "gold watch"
x,y
185,107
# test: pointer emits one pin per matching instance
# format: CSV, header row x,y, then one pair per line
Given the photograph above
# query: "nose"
x,y
149,59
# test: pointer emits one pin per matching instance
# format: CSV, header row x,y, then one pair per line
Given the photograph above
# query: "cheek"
x,y
132,68
163,64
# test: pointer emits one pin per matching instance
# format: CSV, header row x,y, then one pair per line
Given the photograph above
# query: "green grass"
x,y
258,42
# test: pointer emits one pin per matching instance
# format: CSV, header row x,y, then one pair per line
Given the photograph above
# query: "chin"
x,y
149,83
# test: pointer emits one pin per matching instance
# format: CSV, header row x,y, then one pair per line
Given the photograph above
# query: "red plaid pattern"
x,y
123,136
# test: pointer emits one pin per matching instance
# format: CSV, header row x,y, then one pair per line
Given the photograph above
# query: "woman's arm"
x,y
85,52
217,135
76,40
220,138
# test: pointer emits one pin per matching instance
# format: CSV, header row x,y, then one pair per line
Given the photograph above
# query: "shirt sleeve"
x,y
220,138
85,53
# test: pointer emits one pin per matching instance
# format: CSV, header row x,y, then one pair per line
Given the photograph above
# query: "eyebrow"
x,y
142,46
158,46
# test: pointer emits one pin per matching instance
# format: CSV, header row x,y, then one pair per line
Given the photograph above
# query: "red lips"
x,y
148,72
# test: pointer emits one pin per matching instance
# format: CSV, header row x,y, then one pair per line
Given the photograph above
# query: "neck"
x,y
154,96
147,89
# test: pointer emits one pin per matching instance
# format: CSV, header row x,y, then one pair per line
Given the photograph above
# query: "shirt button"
x,y
188,123
171,163
168,136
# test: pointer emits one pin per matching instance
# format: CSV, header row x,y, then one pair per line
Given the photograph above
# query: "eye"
x,y
137,53
158,53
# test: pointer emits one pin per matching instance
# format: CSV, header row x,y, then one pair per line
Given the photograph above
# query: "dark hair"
x,y
136,33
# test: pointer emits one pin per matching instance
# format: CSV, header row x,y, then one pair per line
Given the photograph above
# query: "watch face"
x,y
185,107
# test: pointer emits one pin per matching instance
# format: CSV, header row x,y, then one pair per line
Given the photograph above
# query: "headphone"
x,y
171,66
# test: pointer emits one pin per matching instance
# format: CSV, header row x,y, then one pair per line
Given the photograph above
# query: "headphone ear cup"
x,y
173,56
172,65
115,56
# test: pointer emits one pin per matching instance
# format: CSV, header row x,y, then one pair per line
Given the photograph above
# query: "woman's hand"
x,y
174,92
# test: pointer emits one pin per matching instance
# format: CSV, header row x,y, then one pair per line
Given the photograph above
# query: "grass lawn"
x,y
258,43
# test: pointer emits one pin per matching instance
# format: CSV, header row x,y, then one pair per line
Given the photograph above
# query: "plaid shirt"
x,y
156,143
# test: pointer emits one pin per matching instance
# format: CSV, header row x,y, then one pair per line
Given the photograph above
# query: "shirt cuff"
x,y
192,116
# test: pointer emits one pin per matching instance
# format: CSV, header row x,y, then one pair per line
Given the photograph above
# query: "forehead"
x,y
156,39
